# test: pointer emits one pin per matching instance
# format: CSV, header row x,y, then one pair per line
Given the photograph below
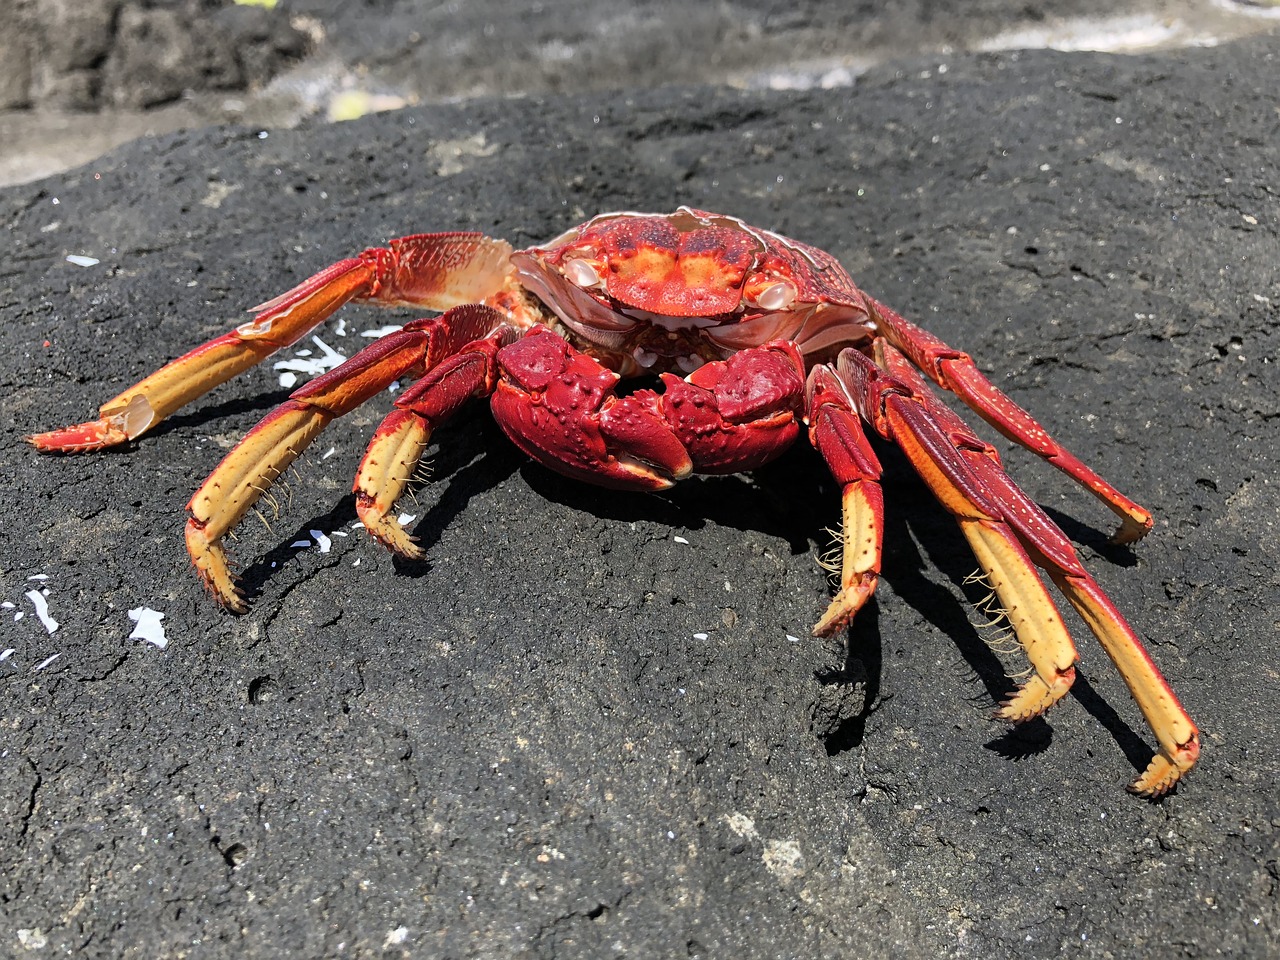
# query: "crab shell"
x,y
663,293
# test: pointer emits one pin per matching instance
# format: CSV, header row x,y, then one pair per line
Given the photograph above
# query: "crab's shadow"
x,y
919,535
792,499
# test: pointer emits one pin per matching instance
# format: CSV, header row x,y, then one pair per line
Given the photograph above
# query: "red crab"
x,y
772,337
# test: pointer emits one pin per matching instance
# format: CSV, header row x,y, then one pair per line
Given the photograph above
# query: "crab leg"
x,y
899,415
397,446
266,451
836,432
432,271
1006,549
955,371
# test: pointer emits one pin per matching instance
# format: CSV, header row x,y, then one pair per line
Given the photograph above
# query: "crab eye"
x,y
581,273
777,296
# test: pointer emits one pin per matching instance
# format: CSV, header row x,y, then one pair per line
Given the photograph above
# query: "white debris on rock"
x,y
396,936
148,626
305,362
42,610
379,332
323,542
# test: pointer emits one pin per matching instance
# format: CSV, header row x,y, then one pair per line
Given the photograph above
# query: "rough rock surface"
x,y
568,733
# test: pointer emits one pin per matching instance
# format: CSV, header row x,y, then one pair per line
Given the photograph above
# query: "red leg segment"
x,y
432,271
955,371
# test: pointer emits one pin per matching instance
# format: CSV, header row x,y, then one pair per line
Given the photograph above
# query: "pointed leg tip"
x,y
1154,785
80,438
1035,697
1165,771
390,534
235,603
844,606
212,566
1133,529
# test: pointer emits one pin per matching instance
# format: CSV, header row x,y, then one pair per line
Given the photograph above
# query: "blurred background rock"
x,y
80,76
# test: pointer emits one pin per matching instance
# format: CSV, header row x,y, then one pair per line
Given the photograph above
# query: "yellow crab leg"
x,y
1042,543
1175,731
388,466
397,445
435,271
836,432
1023,597
1032,614
266,451
861,534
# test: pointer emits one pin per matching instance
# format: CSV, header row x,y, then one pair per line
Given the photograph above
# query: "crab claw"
x,y
558,406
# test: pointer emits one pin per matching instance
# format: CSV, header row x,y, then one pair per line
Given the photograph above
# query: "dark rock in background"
x,y
567,733
69,55
78,79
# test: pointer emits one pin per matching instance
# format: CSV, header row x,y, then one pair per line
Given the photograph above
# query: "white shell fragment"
x,y
323,542
148,626
80,261
680,540
305,363
380,332
42,609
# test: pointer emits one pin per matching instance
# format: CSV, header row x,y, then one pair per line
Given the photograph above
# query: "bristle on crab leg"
x,y
956,372
389,463
1031,612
